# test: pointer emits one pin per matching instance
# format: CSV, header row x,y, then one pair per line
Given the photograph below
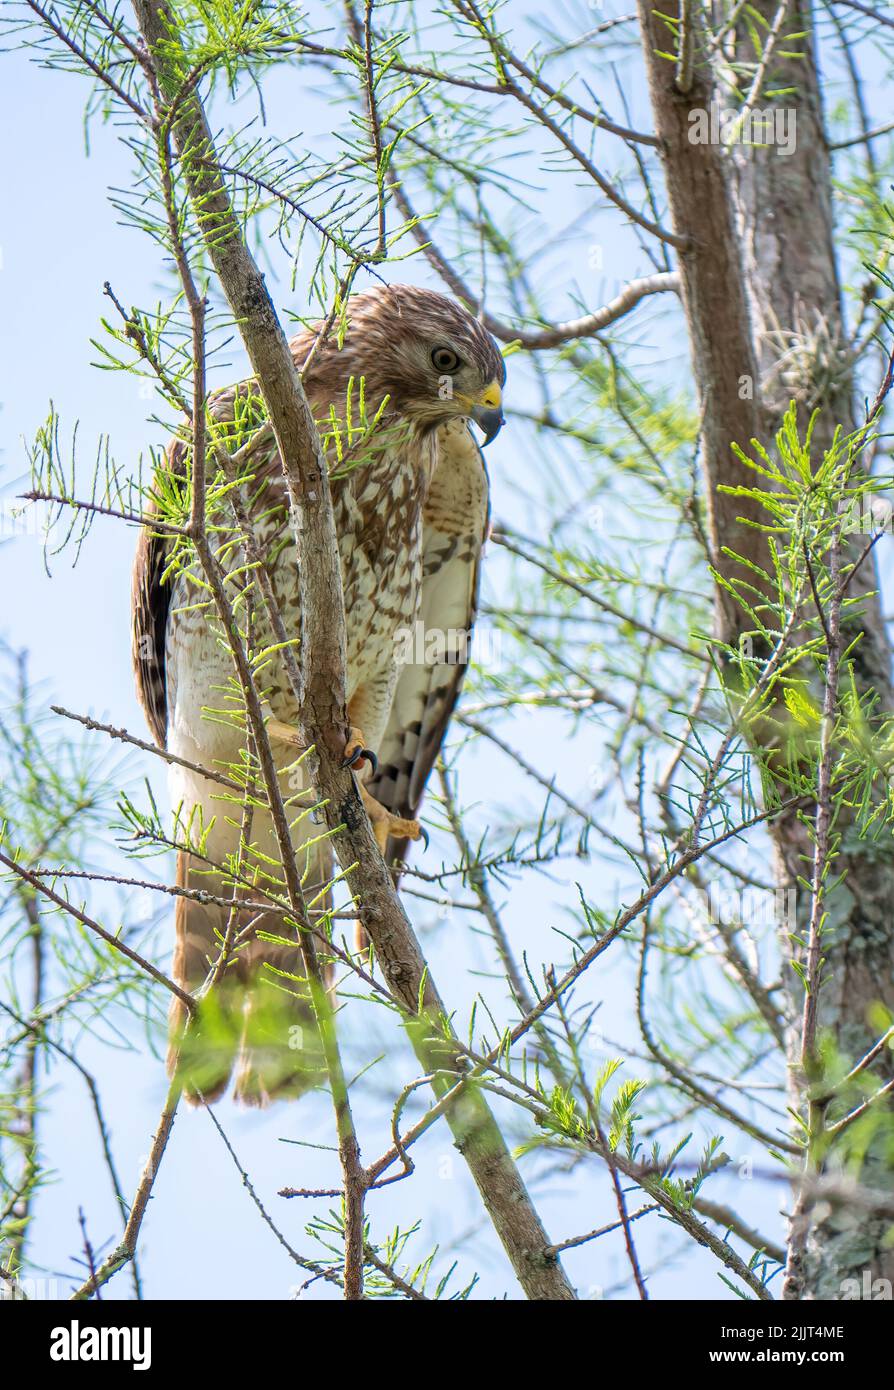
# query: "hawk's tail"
x,y
257,1018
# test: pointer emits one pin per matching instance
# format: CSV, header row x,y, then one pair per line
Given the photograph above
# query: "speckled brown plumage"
x,y
410,508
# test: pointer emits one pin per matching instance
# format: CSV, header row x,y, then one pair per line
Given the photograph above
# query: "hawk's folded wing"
x,y
151,602
150,597
454,529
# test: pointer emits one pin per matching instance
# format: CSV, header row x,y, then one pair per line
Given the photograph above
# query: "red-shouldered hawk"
x,y
410,501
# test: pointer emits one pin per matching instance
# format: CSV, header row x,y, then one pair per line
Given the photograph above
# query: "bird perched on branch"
x,y
393,396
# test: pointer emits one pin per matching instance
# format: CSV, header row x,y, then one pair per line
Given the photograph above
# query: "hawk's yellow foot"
x,y
356,751
386,825
286,733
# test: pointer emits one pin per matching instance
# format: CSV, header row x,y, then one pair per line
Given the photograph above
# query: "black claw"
x,y
423,835
358,756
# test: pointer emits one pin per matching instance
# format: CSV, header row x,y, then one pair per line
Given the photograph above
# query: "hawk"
x,y
393,396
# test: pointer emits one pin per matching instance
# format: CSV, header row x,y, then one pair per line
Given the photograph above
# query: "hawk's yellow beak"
x,y
487,411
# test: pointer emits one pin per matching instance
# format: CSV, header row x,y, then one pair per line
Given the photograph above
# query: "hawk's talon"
x,y
424,836
387,826
358,756
356,751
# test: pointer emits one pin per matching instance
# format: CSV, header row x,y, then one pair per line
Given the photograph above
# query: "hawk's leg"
x,y
362,760
368,709
286,733
356,751
386,825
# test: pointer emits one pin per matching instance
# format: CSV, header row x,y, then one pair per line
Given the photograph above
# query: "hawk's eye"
x,y
445,359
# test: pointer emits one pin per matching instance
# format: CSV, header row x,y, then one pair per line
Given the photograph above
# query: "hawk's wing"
x,y
454,528
151,602
150,598
455,524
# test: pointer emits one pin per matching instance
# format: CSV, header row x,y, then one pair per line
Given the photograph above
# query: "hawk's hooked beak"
x,y
487,412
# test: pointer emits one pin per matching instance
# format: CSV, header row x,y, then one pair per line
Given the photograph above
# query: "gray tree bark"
x,y
787,234
762,297
475,1131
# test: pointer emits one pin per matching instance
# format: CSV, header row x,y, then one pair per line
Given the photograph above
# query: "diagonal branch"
x,y
323,663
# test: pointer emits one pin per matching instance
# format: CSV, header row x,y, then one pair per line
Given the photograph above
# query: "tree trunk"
x,y
761,226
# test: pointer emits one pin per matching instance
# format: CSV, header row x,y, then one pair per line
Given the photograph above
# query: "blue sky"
x,y
60,241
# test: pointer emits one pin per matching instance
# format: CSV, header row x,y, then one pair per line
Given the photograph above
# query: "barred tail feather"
x,y
257,1020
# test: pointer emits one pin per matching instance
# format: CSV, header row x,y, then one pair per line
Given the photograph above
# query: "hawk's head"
x,y
424,351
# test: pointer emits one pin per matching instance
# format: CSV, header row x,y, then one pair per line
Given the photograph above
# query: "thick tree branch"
x,y
323,663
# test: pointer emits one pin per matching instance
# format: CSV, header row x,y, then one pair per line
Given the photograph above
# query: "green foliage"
x,y
62,989
660,749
